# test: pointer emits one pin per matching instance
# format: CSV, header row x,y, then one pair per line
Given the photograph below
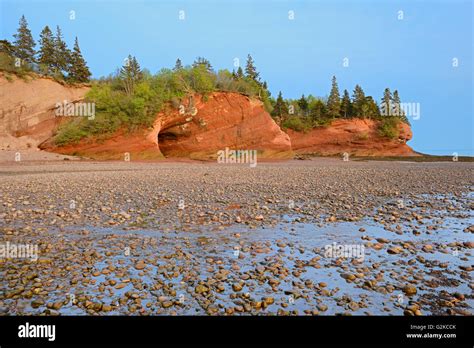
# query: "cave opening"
x,y
166,140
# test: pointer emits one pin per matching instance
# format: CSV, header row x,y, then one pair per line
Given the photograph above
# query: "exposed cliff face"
x,y
355,136
196,129
27,109
199,128
223,120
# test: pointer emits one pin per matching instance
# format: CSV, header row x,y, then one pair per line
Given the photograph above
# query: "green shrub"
x,y
202,81
296,123
70,133
388,127
322,122
117,110
7,64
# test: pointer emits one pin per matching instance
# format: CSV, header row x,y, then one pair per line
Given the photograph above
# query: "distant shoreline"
x,y
38,156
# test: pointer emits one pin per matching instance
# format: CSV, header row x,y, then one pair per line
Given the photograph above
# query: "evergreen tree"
x,y
46,52
334,101
130,73
396,97
303,104
318,111
370,108
7,48
346,105
396,103
201,61
24,43
250,70
398,107
178,65
78,70
280,108
387,103
358,102
62,55
240,73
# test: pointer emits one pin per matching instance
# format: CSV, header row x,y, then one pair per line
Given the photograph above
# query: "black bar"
x,y
242,330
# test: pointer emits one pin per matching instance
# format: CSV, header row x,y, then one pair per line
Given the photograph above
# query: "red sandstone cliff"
x,y
196,129
357,137
223,120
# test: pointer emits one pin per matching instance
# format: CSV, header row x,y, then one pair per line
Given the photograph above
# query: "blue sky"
x,y
413,54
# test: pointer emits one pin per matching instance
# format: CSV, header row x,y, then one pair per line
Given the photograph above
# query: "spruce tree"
x,y
240,73
62,55
334,101
130,73
201,61
250,70
396,103
370,108
396,97
178,65
280,108
24,43
318,112
398,107
303,104
78,70
387,103
7,48
46,52
358,102
346,105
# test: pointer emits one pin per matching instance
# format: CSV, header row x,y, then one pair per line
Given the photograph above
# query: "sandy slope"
x,y
27,109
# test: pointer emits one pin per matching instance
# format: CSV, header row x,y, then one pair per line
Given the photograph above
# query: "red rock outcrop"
x,y
357,137
196,129
202,127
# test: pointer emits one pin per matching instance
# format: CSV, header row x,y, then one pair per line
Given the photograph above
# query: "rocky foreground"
x,y
189,238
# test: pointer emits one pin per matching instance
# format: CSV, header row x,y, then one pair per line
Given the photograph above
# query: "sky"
x,y
424,49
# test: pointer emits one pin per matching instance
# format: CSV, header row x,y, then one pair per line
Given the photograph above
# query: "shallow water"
x,y
300,242
220,245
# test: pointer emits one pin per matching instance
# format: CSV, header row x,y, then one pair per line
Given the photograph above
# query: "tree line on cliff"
x,y
309,112
53,57
130,97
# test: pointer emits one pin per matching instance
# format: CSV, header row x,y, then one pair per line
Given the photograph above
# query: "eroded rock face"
x,y
27,109
222,120
355,136
198,128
